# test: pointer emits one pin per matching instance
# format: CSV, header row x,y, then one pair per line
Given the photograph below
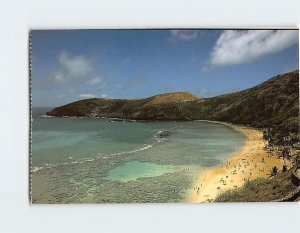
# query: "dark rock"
x,y
163,134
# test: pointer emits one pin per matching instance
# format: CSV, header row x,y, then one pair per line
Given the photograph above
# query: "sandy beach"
x,y
248,163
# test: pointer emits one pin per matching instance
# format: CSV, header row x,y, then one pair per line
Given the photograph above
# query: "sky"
x,y
69,65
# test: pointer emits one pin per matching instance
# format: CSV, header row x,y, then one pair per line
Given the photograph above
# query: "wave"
x,y
65,117
156,136
46,116
35,169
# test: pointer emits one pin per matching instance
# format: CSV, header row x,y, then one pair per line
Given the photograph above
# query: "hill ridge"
x,y
273,102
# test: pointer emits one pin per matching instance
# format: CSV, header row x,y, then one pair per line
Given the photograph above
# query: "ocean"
x,y
84,160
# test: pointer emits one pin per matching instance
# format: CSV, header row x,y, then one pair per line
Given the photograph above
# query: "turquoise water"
x,y
81,160
135,169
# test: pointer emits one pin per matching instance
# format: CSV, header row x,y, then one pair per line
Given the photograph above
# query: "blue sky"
x,y
68,65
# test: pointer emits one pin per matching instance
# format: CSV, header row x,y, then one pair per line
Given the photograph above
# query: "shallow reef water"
x,y
99,161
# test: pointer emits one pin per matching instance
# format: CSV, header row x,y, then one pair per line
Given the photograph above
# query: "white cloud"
x,y
96,82
71,67
76,65
87,96
183,35
236,47
58,77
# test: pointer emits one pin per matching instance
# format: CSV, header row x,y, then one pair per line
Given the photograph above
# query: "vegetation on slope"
x,y
274,103
260,190
160,107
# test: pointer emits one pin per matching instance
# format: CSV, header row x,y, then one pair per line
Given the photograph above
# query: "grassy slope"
x,y
273,102
260,190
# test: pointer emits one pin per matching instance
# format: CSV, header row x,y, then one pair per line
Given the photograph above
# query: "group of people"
x,y
198,188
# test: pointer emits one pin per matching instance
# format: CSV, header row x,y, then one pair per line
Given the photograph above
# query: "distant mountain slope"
x,y
171,97
274,102
151,108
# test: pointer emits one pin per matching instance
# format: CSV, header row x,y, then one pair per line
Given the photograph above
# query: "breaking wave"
x,y
158,139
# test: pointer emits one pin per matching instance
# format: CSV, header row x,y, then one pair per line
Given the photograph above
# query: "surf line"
x,y
102,156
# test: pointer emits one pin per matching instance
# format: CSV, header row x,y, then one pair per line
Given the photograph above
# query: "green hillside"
x,y
271,104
